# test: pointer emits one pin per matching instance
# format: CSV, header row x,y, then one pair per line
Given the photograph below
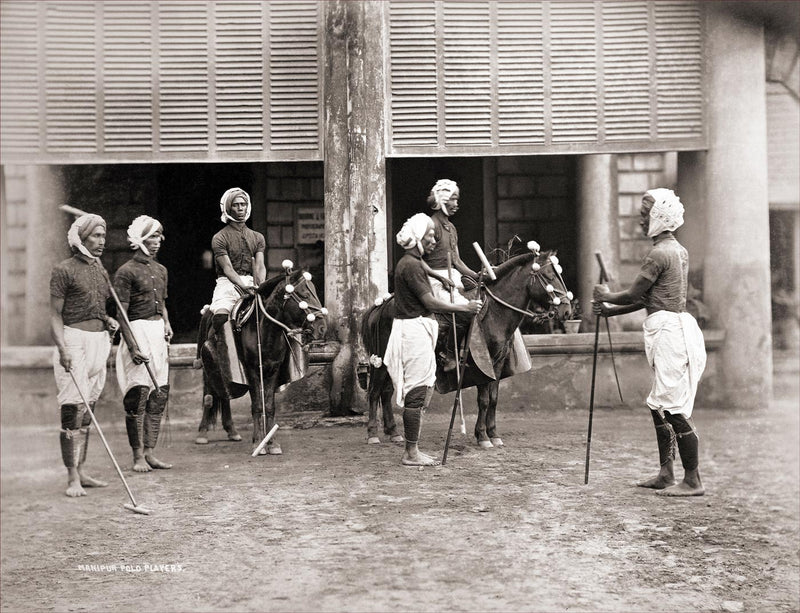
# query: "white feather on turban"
x,y
80,229
413,231
441,193
142,228
226,201
667,211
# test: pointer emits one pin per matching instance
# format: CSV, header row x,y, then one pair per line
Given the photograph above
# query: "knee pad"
x,y
415,398
135,400
70,416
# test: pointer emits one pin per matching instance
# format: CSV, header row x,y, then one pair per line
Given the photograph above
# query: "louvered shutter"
x,y
294,69
19,78
168,80
545,77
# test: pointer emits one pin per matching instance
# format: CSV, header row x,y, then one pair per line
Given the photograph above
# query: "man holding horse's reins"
x,y
82,332
410,355
141,285
443,199
238,256
673,341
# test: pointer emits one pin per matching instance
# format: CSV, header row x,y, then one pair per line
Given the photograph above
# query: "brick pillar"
x,y
597,226
737,273
355,183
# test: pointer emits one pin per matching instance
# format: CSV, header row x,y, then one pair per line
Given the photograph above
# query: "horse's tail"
x,y
376,326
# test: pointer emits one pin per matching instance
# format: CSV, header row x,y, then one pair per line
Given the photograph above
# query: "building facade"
x,y
337,117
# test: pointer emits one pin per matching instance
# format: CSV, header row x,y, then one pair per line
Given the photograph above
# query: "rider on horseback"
x,y
443,199
410,356
238,256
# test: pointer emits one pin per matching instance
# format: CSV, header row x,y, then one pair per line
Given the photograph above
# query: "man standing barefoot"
x,y
673,341
80,327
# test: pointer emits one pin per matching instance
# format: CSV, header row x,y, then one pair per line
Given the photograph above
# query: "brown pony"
x,y
283,308
528,285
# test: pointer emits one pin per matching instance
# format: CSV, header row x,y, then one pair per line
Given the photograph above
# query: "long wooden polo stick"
x,y
455,341
133,506
604,277
463,364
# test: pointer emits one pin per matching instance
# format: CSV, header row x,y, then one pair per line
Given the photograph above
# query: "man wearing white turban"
x,y
674,344
443,199
238,255
82,332
141,284
410,357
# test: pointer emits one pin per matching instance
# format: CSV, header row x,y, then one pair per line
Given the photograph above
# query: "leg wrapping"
x,y
665,436
156,404
688,440
72,442
412,422
135,402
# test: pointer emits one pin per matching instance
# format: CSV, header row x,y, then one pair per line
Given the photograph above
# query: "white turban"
x,y
441,193
142,228
667,211
226,201
80,229
413,232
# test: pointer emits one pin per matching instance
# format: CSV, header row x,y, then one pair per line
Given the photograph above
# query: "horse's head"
x,y
296,298
539,272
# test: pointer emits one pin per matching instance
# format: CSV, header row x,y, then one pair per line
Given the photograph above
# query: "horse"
x,y
283,314
524,280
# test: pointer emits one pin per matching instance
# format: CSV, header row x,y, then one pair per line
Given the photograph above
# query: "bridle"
x,y
537,275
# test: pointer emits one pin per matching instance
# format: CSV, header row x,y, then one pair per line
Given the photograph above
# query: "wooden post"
x,y
355,183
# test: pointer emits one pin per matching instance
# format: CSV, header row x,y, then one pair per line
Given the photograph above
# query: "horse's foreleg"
x,y
480,422
389,423
207,420
491,412
374,390
259,412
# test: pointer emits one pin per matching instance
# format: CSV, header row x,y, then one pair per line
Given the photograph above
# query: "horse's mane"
x,y
268,286
520,260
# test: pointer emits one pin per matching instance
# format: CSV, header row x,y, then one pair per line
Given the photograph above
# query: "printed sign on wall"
x,y
310,225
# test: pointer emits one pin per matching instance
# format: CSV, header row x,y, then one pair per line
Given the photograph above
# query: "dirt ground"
x,y
336,525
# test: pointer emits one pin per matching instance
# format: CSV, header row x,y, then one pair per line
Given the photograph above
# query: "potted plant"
x,y
572,325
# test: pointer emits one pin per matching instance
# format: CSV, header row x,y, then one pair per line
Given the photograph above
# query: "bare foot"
x,y
154,462
74,489
683,489
659,482
418,459
87,481
140,465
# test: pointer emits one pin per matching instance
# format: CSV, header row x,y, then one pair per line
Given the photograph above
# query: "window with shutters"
x,y
515,78
166,80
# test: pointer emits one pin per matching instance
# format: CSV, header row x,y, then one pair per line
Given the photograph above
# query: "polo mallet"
x,y
133,506
463,360
604,277
594,372
256,298
455,341
270,434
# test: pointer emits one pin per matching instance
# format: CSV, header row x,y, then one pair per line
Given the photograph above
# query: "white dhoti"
x,y
676,352
89,352
149,335
410,357
442,293
226,294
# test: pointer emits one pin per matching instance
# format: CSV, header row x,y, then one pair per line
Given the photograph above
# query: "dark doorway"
x,y
411,182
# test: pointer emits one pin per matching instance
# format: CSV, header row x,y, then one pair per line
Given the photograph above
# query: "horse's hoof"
x,y
201,440
485,444
262,451
208,401
373,440
275,450
236,437
497,442
397,438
